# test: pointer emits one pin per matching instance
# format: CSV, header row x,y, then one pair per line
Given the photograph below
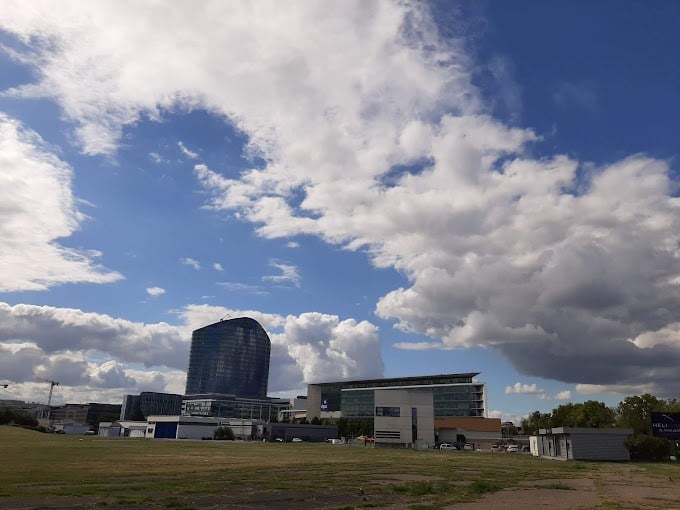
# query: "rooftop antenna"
x,y
228,316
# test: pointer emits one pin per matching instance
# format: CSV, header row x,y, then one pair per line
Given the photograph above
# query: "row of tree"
x,y
632,412
19,419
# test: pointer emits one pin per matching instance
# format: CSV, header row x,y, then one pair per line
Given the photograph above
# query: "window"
x,y
393,412
387,434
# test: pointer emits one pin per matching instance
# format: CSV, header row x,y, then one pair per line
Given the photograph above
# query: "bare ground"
x,y
617,487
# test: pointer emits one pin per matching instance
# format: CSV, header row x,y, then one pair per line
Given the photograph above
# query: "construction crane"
x,y
52,385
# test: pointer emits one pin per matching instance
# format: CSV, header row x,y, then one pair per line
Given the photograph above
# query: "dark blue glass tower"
x,y
229,357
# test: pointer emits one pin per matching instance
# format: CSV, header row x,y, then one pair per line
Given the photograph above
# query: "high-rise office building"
x,y
230,357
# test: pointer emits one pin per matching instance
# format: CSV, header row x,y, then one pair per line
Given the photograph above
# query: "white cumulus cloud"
x,y
155,291
37,208
191,263
188,153
375,138
523,389
289,274
563,395
94,354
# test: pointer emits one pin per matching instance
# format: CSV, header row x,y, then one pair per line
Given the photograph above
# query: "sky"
x,y
390,188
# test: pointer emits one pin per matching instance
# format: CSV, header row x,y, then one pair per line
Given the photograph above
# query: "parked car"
x,y
525,449
296,440
494,448
513,448
468,447
447,446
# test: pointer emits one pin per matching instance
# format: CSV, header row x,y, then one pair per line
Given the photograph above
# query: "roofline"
x,y
585,430
388,379
221,321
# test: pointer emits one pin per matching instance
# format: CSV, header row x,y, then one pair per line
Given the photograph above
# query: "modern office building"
x,y
405,411
452,395
148,403
229,357
231,406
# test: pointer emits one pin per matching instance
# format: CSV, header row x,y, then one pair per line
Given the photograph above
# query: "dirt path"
x,y
615,487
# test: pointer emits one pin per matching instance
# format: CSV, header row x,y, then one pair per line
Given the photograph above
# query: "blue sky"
x,y
389,188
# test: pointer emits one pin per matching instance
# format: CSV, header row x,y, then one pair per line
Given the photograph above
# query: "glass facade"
x,y
149,403
357,404
229,357
452,395
467,400
233,407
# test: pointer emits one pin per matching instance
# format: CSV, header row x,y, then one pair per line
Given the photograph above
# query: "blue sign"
x,y
666,425
324,405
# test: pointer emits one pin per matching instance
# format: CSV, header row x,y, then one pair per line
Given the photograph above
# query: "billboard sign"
x,y
666,425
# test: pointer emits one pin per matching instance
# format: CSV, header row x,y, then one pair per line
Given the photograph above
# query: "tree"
x,y
644,447
342,427
137,415
564,416
590,414
673,405
224,432
635,412
316,421
535,421
18,418
593,414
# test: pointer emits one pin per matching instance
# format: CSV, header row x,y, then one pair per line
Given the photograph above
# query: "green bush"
x,y
8,416
224,433
643,447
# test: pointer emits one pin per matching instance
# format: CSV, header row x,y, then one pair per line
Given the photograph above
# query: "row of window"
x,y
387,434
392,412
408,382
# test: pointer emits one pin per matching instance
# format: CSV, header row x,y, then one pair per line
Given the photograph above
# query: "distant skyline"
x,y
390,188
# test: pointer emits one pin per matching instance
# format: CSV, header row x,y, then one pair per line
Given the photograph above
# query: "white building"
x,y
200,427
579,443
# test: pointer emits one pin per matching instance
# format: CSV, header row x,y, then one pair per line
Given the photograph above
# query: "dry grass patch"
x,y
40,468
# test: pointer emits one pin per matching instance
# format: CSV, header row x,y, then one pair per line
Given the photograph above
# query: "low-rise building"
x,y
580,443
480,432
201,427
72,429
304,431
297,410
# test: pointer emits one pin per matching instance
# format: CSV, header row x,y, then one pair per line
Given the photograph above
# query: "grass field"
x,y
57,471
